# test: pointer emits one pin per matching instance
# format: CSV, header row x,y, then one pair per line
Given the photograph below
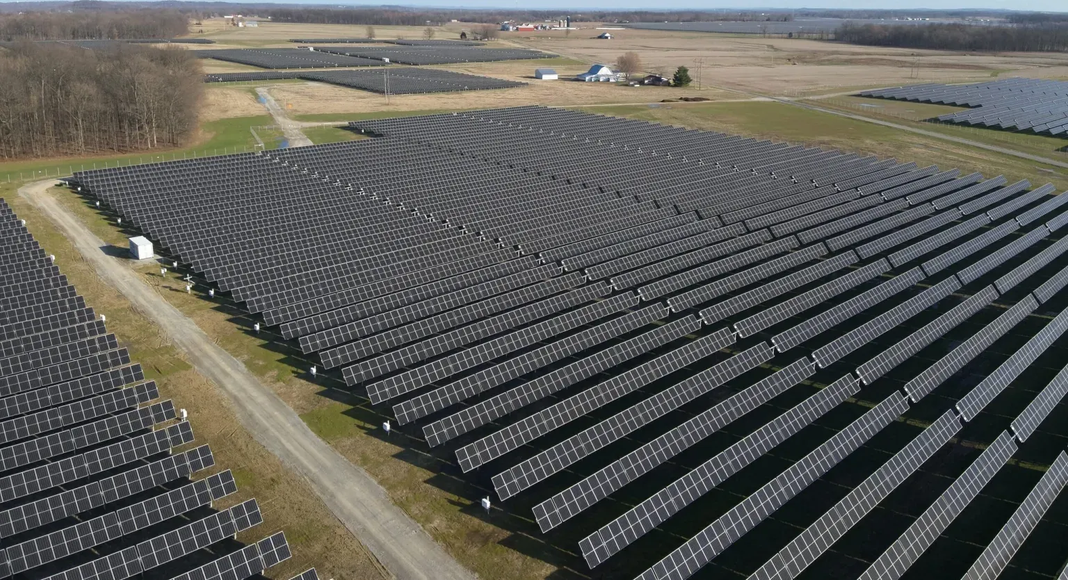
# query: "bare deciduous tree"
x,y
630,63
428,33
371,32
59,100
487,32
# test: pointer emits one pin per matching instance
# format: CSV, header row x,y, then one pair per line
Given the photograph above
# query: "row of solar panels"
x,y
1017,104
525,361
399,41
348,56
92,483
395,81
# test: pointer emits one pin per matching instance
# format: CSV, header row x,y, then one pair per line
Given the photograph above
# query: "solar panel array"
x,y
277,58
402,42
612,322
432,54
358,55
98,477
397,81
1016,104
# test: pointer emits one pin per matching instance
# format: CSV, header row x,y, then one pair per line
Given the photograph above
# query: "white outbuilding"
x,y
546,74
599,73
140,248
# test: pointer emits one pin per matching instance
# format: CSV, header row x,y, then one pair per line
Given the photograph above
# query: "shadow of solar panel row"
x,y
417,54
598,339
285,58
92,484
1017,104
402,42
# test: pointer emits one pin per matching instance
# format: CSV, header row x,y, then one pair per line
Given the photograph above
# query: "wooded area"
x,y
1046,38
60,100
93,25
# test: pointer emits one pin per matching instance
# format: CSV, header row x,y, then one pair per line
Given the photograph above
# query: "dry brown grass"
x,y
224,102
783,66
287,502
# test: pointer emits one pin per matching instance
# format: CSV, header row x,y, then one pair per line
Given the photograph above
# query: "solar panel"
x,y
162,550
878,365
873,229
538,424
965,249
483,412
967,193
244,563
1026,199
87,534
804,331
1026,269
995,197
1051,287
744,278
945,367
1039,408
67,503
309,574
442,322
613,537
897,559
783,311
486,379
901,236
481,329
521,476
931,243
719,535
778,287
633,465
1041,210
994,383
995,558
869,331
819,536
1000,256
701,273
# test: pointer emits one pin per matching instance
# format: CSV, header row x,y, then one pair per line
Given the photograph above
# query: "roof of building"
x,y
544,71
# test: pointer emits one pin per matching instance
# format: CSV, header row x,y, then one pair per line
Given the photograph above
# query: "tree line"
x,y
386,17
93,25
1047,38
61,100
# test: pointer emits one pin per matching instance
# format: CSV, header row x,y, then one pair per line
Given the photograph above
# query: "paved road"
x,y
290,128
399,544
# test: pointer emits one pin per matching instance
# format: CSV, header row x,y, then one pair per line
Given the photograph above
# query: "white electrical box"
x,y
140,248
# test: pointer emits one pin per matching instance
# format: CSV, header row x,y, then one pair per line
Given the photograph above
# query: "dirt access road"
x,y
398,542
290,128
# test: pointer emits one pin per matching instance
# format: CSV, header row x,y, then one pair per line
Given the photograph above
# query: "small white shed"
x,y
546,74
140,248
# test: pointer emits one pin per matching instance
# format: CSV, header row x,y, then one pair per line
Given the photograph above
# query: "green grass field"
x,y
782,122
219,137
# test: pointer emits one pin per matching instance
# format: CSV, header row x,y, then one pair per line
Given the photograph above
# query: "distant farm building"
x,y
546,74
599,73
